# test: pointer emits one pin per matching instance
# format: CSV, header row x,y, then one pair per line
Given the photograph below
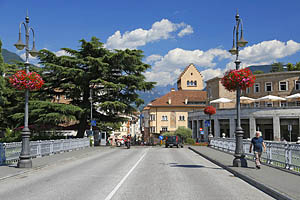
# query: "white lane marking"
x,y
111,194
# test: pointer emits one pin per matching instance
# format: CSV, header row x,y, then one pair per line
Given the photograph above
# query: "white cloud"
x,y
211,73
62,53
187,30
266,52
153,58
166,69
33,60
140,37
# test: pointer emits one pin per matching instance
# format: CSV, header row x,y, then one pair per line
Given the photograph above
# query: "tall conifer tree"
x,y
114,77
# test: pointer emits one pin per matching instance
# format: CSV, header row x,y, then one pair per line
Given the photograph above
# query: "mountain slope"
x,y
10,57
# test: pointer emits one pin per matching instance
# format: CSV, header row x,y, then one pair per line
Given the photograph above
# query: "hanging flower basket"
x,y
234,78
210,110
22,81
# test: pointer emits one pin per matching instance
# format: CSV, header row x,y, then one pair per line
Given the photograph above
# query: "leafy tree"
x,y
297,66
290,67
258,72
43,113
184,132
277,67
114,77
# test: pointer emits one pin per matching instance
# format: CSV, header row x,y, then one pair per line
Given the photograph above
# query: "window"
x,y
269,104
283,86
297,85
152,117
256,88
297,103
152,129
164,128
188,83
195,83
164,118
283,104
268,87
256,104
181,118
247,90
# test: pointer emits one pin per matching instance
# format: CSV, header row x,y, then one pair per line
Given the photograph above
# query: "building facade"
x,y
167,113
277,120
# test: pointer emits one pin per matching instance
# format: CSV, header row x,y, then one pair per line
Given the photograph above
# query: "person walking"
x,y
258,143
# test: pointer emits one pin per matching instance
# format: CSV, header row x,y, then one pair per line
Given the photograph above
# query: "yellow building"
x,y
170,111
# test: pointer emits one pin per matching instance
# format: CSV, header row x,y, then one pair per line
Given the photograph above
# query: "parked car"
x,y
174,141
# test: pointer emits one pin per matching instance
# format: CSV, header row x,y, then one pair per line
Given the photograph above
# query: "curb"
x,y
268,190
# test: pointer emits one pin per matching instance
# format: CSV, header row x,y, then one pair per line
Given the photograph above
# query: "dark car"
x,y
174,141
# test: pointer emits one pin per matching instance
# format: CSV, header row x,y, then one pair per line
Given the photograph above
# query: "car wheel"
x,y
166,146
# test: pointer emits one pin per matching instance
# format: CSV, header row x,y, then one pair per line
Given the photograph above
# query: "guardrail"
x,y
10,152
281,154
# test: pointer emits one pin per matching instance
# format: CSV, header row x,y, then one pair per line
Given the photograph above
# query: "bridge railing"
x,y
281,154
10,152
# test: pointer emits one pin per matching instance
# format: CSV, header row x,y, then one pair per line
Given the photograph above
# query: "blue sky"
x,y
172,34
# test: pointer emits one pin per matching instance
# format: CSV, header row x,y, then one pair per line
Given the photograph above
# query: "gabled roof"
x,y
178,98
186,70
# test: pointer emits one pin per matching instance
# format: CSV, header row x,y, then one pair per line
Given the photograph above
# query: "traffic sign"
x,y
202,132
161,137
200,129
207,123
93,122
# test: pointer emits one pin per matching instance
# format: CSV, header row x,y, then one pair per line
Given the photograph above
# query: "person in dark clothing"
x,y
258,143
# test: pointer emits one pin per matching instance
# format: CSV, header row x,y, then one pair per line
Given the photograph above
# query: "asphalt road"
x,y
136,173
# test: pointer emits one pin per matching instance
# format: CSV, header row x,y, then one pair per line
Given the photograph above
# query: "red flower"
x,y
242,78
210,110
21,80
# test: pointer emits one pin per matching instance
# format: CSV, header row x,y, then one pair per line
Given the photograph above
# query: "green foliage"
x,y
258,72
190,141
165,134
11,136
297,66
184,132
277,67
290,67
115,77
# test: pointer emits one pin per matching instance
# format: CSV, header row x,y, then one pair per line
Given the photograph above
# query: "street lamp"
x,y
239,160
25,159
210,135
91,100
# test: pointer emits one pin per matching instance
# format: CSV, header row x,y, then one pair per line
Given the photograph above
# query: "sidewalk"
x,y
277,183
7,171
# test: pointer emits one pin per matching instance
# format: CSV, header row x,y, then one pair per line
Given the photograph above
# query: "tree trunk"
x,y
82,126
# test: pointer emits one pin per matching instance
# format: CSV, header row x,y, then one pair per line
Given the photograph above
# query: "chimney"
x,y
172,89
169,102
185,101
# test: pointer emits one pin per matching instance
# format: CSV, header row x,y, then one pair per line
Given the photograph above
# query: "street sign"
x,y
93,122
161,137
200,129
207,123
202,132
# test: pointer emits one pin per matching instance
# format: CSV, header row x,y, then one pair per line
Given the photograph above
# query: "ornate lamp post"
x,y
25,159
239,160
91,100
